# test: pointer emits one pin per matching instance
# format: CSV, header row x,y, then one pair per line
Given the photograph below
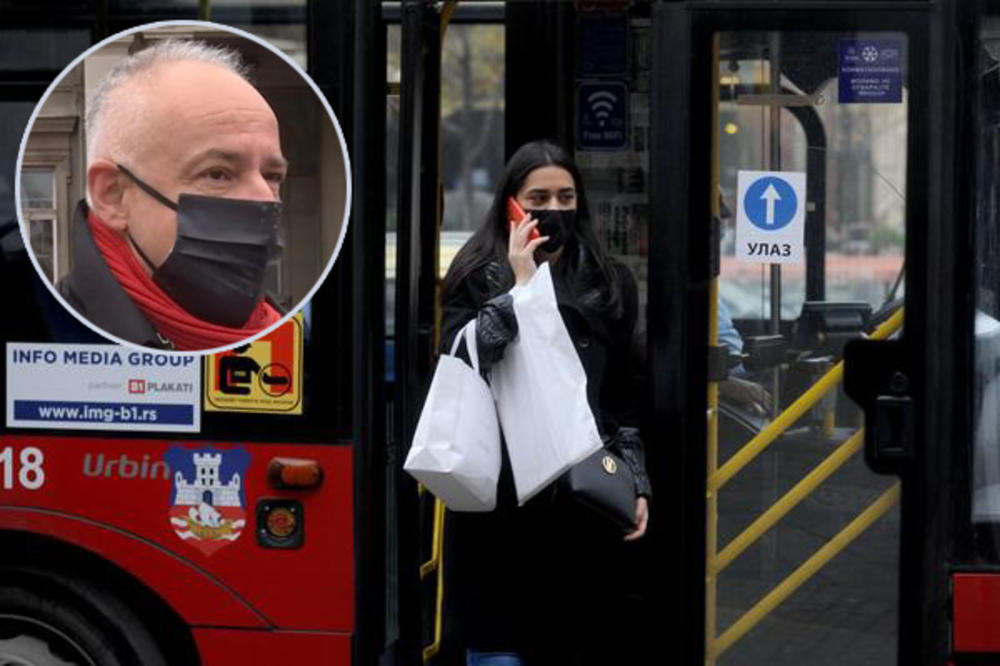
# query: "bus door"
x,y
795,176
476,81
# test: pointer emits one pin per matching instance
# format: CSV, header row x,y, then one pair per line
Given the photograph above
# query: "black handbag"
x,y
604,484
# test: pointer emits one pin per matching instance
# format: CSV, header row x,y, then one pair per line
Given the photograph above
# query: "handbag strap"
x,y
469,333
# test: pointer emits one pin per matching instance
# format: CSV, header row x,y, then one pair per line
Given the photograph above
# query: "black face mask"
x,y
558,225
217,266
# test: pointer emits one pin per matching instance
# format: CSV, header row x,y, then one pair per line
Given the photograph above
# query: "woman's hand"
x,y
641,519
521,251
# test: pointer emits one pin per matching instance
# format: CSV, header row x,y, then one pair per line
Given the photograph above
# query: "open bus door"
x,y
520,105
651,65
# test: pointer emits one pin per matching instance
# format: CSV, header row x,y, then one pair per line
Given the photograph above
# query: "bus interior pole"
x,y
774,164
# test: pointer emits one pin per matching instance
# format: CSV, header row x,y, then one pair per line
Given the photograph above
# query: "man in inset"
x,y
184,168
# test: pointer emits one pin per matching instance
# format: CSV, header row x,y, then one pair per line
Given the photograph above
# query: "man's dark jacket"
x,y
94,292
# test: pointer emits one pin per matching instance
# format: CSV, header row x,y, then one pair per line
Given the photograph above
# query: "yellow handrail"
x,y
436,563
789,501
447,11
773,430
432,564
793,412
827,552
716,562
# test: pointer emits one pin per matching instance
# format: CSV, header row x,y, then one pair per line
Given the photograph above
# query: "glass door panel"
x,y
810,165
986,442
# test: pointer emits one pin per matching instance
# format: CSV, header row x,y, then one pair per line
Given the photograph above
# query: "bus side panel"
x,y
225,647
195,503
193,593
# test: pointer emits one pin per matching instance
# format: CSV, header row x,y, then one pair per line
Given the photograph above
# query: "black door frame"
x,y
938,330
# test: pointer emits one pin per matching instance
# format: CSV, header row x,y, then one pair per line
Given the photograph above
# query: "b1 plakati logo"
x,y
137,386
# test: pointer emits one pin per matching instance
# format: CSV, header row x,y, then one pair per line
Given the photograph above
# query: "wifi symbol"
x,y
601,105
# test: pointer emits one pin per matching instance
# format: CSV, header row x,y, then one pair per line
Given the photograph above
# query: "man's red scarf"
x,y
187,332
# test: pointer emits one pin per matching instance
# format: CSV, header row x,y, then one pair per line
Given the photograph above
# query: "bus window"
x,y
986,423
472,130
13,117
745,287
393,66
810,183
44,52
854,216
41,49
616,171
283,23
472,127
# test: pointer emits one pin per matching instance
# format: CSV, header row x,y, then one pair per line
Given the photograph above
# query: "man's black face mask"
x,y
217,266
558,225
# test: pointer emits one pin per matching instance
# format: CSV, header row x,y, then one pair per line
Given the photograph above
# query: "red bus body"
x,y
245,603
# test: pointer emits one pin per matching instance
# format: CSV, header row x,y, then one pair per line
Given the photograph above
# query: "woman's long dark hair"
x,y
584,267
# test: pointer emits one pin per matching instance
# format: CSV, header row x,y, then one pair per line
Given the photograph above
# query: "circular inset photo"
x,y
183,186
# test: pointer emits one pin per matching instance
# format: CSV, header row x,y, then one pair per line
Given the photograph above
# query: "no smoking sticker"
x,y
770,219
264,376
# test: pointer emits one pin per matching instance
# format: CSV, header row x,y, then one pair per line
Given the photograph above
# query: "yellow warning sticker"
x,y
264,376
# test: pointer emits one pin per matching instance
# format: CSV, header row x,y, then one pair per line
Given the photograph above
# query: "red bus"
x,y
143,520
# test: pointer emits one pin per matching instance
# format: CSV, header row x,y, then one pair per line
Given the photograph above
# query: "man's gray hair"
x,y
103,113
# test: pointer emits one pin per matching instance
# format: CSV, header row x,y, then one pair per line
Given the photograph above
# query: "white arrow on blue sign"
x,y
770,221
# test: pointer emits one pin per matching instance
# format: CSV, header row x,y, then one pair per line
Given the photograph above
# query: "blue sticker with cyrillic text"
x,y
870,71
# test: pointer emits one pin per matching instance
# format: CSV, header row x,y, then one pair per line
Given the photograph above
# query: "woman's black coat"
x,y
538,579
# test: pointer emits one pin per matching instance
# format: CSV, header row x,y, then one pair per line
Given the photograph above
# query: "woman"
x,y
540,583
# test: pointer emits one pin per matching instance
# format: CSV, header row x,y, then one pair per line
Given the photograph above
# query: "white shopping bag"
x,y
541,392
456,447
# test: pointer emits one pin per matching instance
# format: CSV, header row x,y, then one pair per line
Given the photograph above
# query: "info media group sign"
x,y
101,387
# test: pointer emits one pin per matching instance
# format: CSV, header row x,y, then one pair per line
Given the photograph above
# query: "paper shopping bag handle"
x,y
469,333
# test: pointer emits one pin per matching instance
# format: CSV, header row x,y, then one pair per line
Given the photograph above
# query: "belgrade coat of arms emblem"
x,y
207,500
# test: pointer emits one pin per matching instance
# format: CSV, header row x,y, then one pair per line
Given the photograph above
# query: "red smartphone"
x,y
515,214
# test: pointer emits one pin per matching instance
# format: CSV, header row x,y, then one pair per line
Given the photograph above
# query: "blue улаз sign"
x,y
602,115
870,71
770,217
770,203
